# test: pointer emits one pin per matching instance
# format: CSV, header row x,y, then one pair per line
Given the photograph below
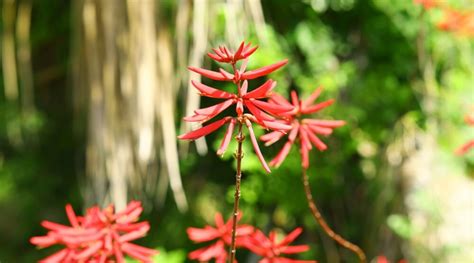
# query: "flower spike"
x,y
304,129
99,236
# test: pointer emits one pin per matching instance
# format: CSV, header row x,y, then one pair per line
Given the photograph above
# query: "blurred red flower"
x,y
222,234
461,22
99,236
383,259
259,111
271,250
469,119
427,4
304,129
224,55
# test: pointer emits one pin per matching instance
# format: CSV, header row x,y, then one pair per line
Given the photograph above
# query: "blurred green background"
x,y
93,92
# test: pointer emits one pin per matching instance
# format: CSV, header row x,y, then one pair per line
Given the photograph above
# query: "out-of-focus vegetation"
x,y
388,181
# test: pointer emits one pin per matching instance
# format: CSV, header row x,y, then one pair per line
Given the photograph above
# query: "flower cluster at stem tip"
x,y
250,106
271,248
99,236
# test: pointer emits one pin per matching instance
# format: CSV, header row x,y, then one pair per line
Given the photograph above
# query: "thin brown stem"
x,y
319,218
238,156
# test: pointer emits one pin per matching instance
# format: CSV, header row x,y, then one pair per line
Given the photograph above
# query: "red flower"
x,y
427,4
222,233
460,22
383,259
222,54
99,236
304,129
259,111
469,119
271,250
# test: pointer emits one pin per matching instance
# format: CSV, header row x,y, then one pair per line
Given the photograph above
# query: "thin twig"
x,y
238,156
319,218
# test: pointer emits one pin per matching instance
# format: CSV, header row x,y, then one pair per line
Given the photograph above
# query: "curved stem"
x,y
238,156
319,218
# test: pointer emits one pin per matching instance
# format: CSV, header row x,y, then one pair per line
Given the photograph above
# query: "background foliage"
x,y
402,85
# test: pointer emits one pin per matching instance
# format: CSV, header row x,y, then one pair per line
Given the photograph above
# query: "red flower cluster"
x,y
247,237
222,233
99,236
469,119
271,249
427,4
383,259
457,21
249,104
306,130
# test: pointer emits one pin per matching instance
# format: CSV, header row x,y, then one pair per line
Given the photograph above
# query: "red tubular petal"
x,y
304,137
127,227
294,132
219,220
255,146
207,253
244,88
227,52
239,108
264,70
320,130
272,137
291,237
226,74
465,148
53,226
142,250
44,241
243,66
130,216
202,234
325,123
193,135
278,160
239,51
276,125
279,99
211,92
209,74
304,155
76,240
219,53
244,230
317,107
249,52
88,252
295,249
71,216
262,91
259,114
227,137
56,257
213,110
119,255
294,99
215,57
316,141
271,107
196,118
311,98
135,234
132,252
